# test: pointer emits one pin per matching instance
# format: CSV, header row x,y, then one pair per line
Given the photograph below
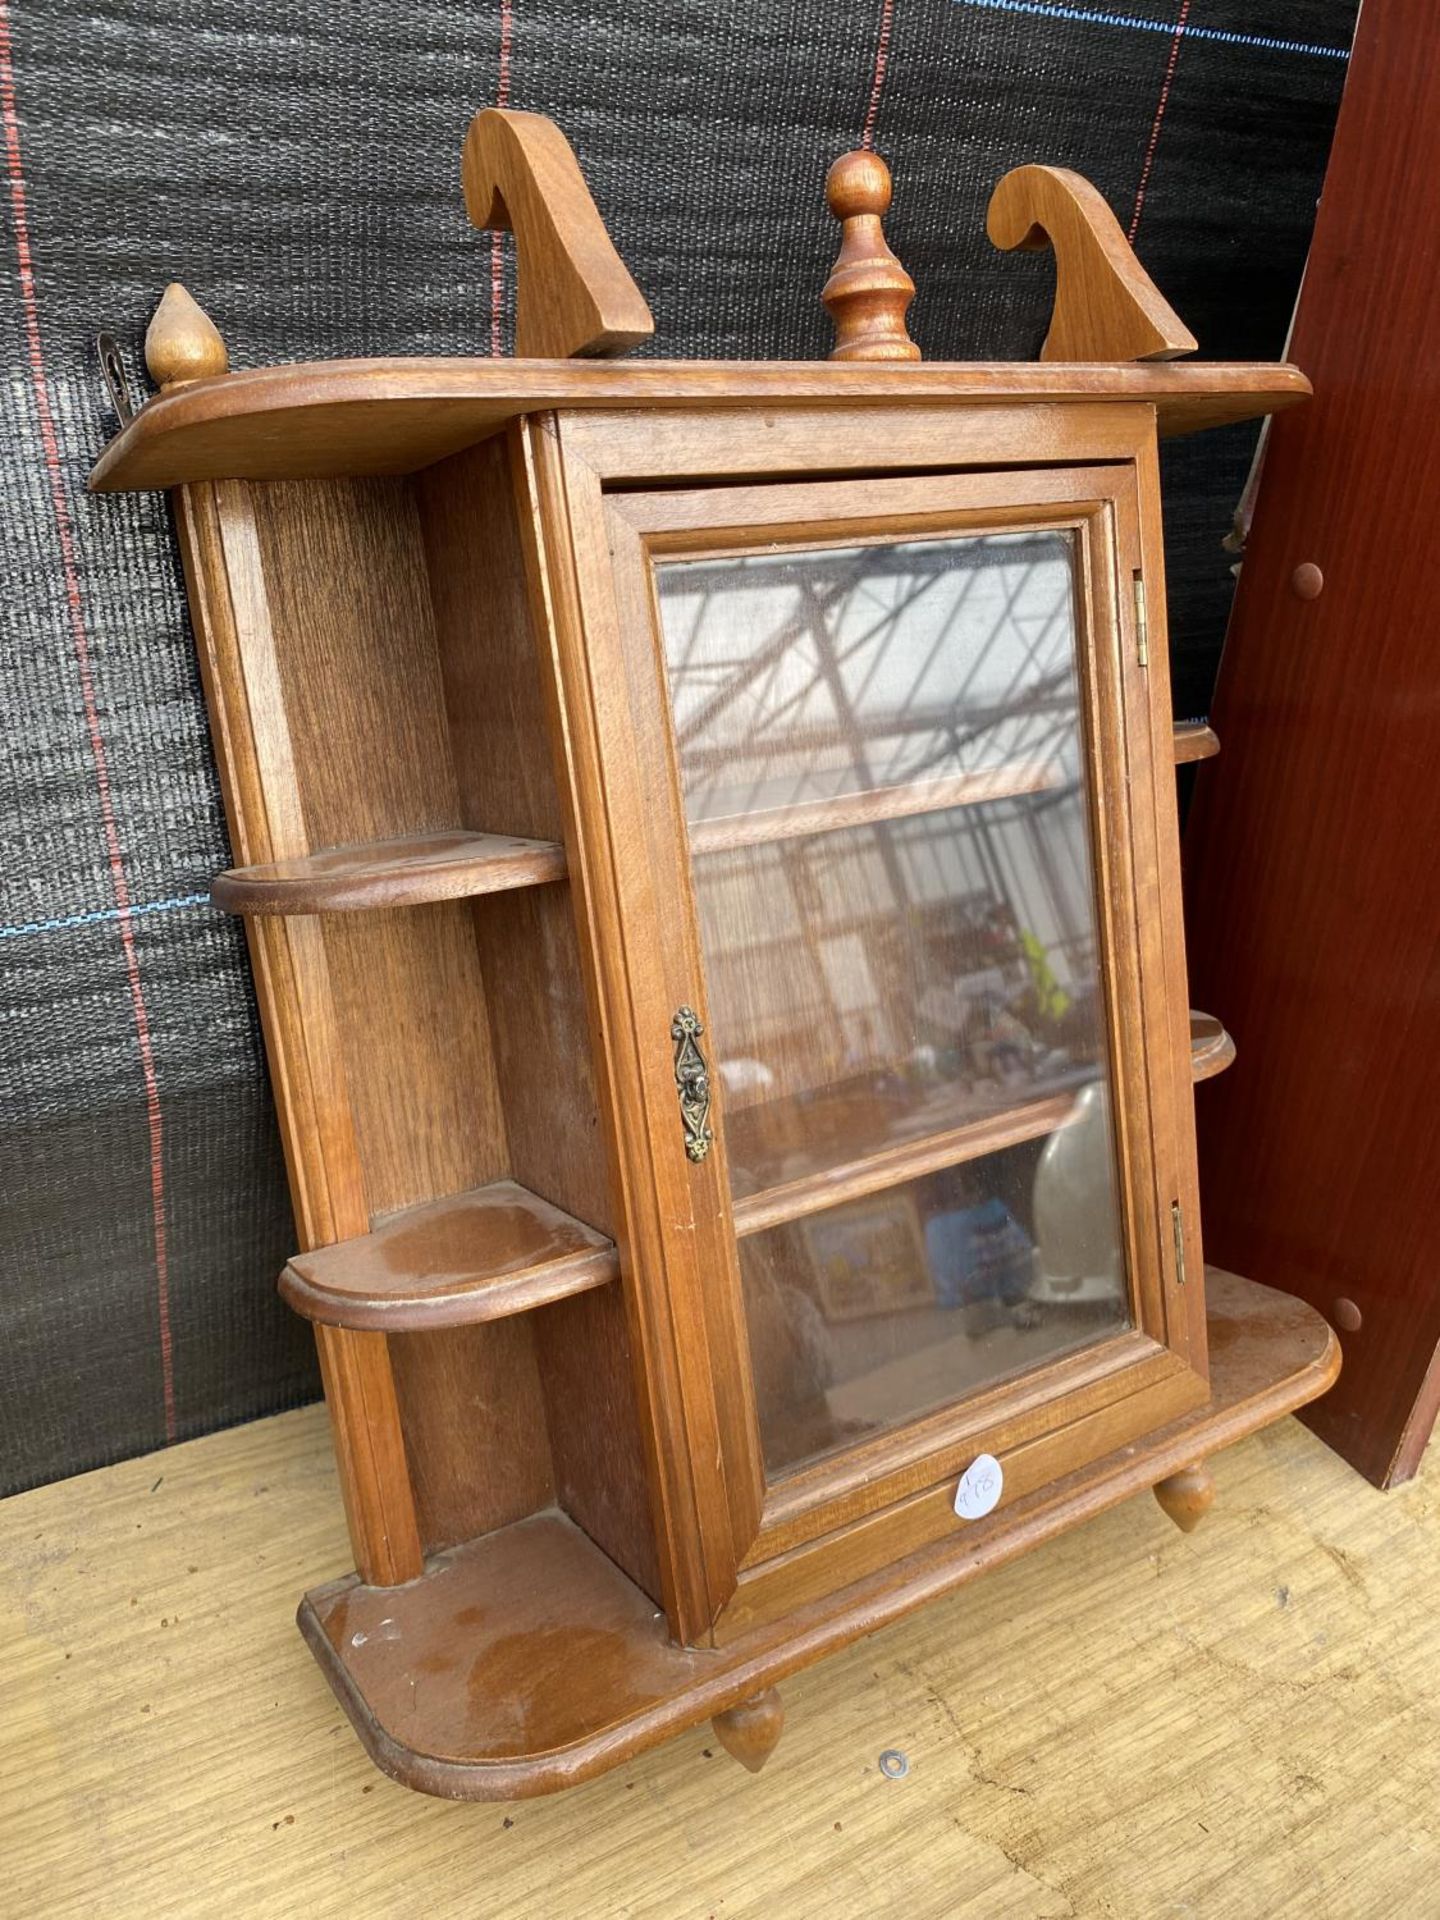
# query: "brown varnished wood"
x,y
868,291
618,603
574,294
450,864
483,1255
343,652
182,342
460,863
1106,306
548,1666
1187,1496
1211,1048
421,1075
923,1511
476,907
237,650
536,1002
381,1507
750,1731
636,447
607,839
346,417
1195,740
1162,919
473,1415
587,1377
1104,1383
1313,886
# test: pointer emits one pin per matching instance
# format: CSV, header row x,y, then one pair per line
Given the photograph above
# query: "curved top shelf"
x,y
337,417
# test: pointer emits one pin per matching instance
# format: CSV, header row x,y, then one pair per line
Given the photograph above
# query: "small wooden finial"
x,y
182,342
868,289
1106,306
1187,1496
750,1731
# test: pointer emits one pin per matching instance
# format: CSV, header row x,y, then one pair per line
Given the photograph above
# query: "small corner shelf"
x,y
408,872
1211,1048
456,864
1194,740
482,1255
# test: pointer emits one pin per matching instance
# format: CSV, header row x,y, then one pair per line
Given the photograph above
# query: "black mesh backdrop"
x,y
296,165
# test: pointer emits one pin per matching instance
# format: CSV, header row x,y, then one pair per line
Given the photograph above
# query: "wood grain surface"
x,y
1127,1721
545,1666
574,293
1106,306
481,1255
1194,740
394,416
445,865
1313,884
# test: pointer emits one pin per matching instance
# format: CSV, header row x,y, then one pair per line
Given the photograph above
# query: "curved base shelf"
x,y
543,1665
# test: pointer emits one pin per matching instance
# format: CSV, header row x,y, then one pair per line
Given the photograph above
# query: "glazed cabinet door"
x,y
873,760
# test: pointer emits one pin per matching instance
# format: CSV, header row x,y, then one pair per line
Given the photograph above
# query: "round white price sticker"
x,y
980,1488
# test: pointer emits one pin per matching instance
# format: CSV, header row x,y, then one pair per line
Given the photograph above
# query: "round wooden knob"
x,y
182,342
858,183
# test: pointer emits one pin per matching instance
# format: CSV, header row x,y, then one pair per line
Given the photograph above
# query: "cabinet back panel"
x,y
540,1026
474,1420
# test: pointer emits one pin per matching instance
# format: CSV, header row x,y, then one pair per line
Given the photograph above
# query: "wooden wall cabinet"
x,y
707,839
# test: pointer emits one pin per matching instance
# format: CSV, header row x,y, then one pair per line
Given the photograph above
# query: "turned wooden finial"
x,y
868,289
1187,1496
1106,306
182,342
750,1732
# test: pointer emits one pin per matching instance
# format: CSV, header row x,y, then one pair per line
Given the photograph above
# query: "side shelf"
x,y
1194,740
456,864
482,1255
1211,1048
406,872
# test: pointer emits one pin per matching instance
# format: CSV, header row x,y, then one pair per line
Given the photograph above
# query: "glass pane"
x,y
881,754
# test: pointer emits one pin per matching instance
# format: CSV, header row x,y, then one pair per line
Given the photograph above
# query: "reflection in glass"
x,y
881,752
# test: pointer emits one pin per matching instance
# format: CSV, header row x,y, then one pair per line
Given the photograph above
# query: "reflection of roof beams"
x,y
942,553
701,759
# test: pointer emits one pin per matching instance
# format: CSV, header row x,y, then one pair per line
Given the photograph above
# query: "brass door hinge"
x,y
1142,623
1177,1225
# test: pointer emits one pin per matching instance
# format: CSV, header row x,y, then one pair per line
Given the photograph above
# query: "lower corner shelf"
x,y
525,1661
496,1250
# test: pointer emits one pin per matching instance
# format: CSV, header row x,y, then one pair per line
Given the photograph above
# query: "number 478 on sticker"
x,y
980,1488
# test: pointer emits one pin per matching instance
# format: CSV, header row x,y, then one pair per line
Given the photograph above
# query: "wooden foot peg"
x,y
751,1732
1187,1496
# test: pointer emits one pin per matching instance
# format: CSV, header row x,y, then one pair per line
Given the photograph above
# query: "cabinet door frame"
x,y
604,497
